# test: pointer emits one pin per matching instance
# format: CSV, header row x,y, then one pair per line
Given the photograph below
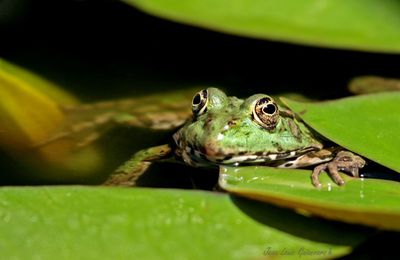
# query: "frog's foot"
x,y
344,161
128,173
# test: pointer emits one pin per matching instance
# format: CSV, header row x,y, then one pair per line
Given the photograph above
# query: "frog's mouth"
x,y
198,158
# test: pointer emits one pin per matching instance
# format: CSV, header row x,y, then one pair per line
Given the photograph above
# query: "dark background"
x,y
106,49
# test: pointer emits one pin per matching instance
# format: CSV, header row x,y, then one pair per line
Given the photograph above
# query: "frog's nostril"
x,y
208,123
232,122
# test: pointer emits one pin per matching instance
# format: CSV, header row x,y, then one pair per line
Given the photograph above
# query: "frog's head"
x,y
228,130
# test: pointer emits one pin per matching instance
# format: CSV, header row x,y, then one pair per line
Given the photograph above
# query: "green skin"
x,y
232,131
227,129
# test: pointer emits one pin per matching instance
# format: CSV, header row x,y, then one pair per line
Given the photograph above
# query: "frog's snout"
x,y
216,141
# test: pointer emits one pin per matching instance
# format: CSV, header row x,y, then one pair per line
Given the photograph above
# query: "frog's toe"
x,y
332,170
344,161
353,171
348,162
316,173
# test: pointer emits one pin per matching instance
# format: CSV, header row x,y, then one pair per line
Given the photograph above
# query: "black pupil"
x,y
269,109
196,99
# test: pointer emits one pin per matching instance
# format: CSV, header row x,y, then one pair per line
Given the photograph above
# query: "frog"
x,y
257,130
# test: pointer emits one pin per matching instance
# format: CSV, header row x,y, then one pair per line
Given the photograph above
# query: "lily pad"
x,y
355,24
368,125
105,223
360,201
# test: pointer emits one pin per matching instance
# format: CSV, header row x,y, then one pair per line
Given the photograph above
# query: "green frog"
x,y
226,130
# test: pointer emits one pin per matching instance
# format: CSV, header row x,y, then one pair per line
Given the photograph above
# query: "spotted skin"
x,y
230,131
128,173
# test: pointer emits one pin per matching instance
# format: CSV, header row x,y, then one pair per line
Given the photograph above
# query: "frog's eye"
x,y
199,102
266,113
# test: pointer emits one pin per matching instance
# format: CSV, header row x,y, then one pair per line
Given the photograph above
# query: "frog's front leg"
x,y
344,161
128,173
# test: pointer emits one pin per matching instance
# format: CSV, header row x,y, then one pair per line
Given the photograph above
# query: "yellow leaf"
x,y
30,113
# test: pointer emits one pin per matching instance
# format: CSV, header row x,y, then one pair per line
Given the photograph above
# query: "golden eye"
x,y
266,113
199,102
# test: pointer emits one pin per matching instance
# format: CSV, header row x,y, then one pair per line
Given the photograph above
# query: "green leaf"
x,y
109,223
360,201
352,24
368,125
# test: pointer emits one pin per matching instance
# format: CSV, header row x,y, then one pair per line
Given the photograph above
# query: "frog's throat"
x,y
196,158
